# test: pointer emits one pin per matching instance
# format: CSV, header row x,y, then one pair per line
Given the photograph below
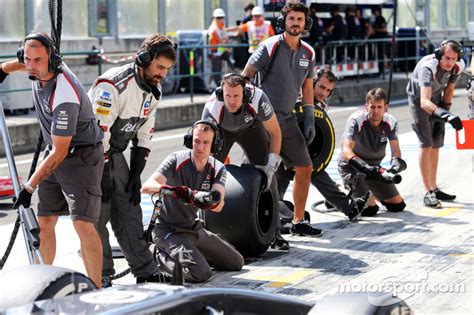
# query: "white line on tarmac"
x,y
164,138
180,135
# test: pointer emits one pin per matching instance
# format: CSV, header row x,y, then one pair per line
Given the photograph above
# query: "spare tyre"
x,y
31,283
250,216
322,147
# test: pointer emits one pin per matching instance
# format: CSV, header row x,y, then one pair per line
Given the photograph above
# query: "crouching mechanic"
x,y
125,100
323,86
179,228
363,148
245,115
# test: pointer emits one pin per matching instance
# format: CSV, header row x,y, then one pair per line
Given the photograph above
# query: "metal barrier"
x,y
348,58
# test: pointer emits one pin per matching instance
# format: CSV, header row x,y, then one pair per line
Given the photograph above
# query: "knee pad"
x,y
394,207
370,211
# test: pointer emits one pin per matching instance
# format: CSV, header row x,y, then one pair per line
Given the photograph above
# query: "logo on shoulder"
x,y
105,96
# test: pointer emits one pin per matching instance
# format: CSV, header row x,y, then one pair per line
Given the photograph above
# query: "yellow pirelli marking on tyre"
x,y
318,114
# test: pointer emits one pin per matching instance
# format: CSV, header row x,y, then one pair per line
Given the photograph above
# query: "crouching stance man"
x,y
363,148
179,228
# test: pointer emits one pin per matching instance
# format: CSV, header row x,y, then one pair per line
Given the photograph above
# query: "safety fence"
x,y
193,72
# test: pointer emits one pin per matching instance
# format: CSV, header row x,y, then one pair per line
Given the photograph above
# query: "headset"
x,y
217,141
54,59
146,55
247,98
321,72
282,19
439,53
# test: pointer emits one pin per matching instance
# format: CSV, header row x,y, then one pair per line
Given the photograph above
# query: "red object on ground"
x,y
6,186
468,139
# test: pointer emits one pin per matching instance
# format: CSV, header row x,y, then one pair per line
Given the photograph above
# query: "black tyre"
x,y
250,216
322,147
39,282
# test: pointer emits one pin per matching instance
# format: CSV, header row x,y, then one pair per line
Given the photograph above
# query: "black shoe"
x,y
304,228
370,211
431,201
106,282
279,243
161,277
359,205
441,195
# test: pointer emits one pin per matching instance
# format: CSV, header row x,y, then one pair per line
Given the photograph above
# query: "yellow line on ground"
x,y
446,212
462,255
278,281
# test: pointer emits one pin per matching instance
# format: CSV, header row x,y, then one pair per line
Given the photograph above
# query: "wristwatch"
x,y
30,187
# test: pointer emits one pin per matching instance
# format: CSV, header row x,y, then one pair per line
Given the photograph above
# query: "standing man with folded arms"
x,y
68,178
125,100
287,66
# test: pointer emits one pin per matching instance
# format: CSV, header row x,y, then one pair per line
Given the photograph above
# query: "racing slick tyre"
x,y
250,216
322,147
39,282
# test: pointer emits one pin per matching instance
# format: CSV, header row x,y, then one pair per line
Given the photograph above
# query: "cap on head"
x,y
218,13
257,11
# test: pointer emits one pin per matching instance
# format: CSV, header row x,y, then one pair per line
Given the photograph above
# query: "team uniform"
x,y
125,108
427,73
64,109
370,145
283,90
179,227
244,127
328,188
322,181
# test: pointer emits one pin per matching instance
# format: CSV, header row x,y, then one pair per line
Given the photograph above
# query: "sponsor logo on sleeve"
x,y
63,119
266,108
104,104
102,111
146,108
105,96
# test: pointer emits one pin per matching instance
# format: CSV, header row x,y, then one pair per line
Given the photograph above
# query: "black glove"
x,y
398,165
308,121
362,166
446,116
24,198
138,156
107,183
206,199
180,192
3,74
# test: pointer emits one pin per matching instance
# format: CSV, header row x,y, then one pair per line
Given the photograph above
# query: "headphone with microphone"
x,y
281,20
217,141
247,97
324,72
439,51
54,59
146,55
